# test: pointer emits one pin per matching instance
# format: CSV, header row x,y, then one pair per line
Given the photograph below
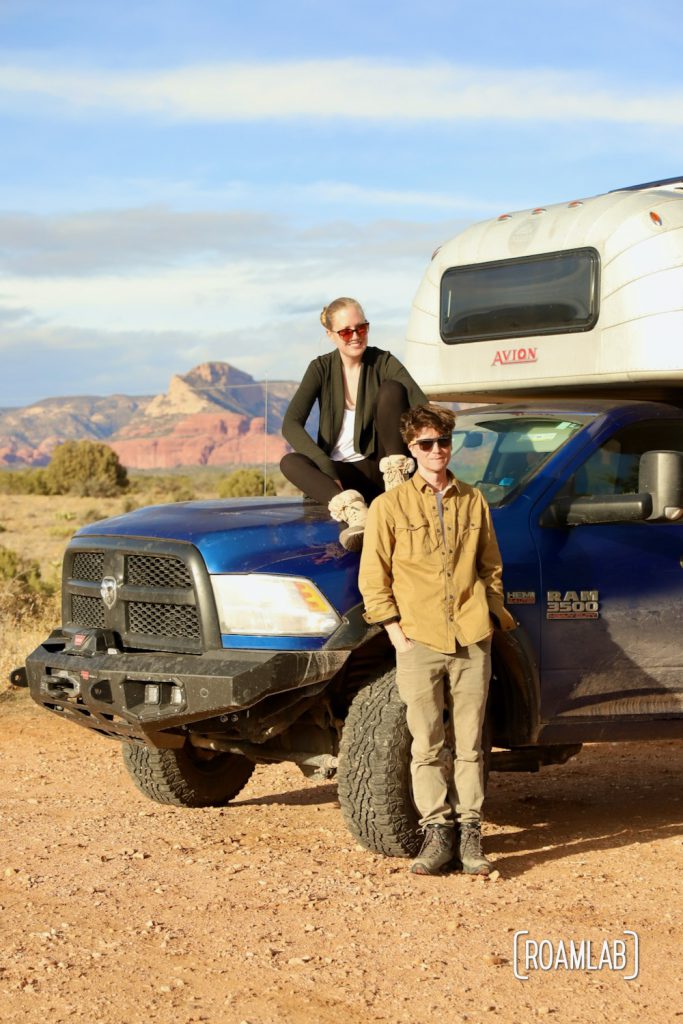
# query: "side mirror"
x,y
660,497
660,474
592,510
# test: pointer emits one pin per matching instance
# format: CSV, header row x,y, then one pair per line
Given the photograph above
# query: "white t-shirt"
x,y
344,450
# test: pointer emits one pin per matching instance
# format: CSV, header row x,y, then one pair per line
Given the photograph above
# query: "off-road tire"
x,y
374,771
186,778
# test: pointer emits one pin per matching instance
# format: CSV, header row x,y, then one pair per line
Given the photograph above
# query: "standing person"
x,y
431,574
361,392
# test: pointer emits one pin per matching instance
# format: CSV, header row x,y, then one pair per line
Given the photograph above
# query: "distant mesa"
x,y
213,415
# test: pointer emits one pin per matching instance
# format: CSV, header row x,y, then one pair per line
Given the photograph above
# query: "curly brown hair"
x,y
424,416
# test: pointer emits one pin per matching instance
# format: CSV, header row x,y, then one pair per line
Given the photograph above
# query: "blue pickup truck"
x,y
208,637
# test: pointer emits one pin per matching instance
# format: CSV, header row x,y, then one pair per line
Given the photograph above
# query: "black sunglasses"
x,y
425,444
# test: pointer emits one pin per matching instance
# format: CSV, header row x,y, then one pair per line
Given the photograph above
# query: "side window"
x,y
613,468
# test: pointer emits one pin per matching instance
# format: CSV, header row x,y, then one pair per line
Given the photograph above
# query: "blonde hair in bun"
x,y
328,312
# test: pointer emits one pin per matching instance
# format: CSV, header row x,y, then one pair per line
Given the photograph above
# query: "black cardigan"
x,y
324,382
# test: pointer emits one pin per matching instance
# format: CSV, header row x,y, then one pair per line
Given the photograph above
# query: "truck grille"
x,y
89,565
163,619
151,571
87,611
154,598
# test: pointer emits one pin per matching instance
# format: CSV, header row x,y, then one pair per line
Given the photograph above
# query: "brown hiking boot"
x,y
470,853
437,850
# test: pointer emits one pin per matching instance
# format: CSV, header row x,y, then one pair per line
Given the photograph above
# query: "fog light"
x,y
176,695
152,693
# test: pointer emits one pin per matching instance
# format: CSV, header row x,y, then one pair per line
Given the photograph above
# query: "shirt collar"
x,y
421,484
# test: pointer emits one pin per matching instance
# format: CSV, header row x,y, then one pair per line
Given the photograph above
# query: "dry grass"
x,y
38,528
19,639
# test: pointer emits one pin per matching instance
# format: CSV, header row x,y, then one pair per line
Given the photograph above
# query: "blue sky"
x,y
189,181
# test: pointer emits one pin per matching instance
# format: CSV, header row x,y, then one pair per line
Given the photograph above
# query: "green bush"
x,y
24,481
21,577
87,468
159,488
245,483
24,595
179,489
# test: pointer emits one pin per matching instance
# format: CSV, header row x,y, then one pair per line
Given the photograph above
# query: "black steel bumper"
x,y
155,697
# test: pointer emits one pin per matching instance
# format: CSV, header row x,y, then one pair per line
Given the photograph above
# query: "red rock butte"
x,y
214,415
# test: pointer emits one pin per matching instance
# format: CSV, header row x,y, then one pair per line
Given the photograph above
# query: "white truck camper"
x,y
583,297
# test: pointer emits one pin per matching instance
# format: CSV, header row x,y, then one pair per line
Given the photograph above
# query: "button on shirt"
x,y
443,582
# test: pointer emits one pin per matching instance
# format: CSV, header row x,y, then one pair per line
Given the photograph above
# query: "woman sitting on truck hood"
x,y
362,392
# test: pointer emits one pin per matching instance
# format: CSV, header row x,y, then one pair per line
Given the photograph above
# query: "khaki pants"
x,y
428,682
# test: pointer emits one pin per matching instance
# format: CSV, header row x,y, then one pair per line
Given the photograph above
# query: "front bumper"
x,y
156,697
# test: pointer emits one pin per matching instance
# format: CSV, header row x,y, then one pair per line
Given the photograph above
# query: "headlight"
x,y
257,604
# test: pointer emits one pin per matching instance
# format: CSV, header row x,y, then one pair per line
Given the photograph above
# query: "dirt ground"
x,y
115,909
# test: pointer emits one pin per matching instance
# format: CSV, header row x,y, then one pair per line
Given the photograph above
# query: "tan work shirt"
x,y
443,589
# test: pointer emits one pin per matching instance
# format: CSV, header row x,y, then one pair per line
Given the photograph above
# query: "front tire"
x,y
186,777
374,771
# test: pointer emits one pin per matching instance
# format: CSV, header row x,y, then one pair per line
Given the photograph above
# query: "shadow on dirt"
x,y
611,796
311,794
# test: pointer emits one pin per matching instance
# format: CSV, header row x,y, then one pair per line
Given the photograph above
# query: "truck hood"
x,y
240,535
285,536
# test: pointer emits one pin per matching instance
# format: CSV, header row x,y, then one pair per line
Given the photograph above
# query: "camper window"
x,y
551,293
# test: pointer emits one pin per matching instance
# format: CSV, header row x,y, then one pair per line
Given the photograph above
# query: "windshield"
x,y
497,452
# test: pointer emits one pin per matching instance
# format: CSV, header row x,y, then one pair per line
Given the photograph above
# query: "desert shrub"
x,y
24,481
13,568
245,483
24,593
61,532
92,515
158,488
178,489
87,468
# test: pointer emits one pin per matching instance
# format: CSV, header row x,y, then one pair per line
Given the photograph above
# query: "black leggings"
x,y
363,476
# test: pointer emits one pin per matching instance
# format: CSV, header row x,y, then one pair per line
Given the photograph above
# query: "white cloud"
x,y
153,265
104,332
348,88
86,243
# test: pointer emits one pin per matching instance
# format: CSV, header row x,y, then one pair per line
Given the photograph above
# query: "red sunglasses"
x,y
346,333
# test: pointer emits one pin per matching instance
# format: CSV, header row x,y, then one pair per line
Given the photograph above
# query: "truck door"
x,y
612,594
